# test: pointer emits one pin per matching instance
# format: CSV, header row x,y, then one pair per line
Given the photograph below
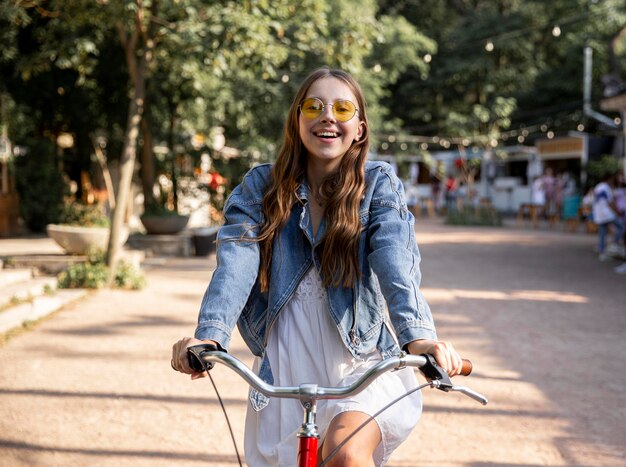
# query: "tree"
x,y
195,65
506,69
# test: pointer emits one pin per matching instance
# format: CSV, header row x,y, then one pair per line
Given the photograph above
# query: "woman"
x,y
309,249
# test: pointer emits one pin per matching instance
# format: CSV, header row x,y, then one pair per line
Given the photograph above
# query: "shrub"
x,y
127,277
86,215
84,276
94,273
471,215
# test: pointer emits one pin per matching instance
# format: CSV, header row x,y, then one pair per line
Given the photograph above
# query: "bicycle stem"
x,y
308,393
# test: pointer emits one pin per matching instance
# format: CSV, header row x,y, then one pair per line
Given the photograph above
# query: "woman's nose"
x,y
327,113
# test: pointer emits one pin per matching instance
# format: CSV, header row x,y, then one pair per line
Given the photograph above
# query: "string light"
x,y
407,142
568,21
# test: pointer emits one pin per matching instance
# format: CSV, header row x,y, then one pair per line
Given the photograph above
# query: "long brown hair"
x,y
342,191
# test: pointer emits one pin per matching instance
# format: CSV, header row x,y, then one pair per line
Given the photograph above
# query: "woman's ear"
x,y
360,132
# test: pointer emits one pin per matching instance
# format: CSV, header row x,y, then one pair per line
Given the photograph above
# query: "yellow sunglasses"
x,y
342,110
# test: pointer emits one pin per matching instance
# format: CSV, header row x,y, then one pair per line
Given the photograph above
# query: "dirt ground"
x,y
543,321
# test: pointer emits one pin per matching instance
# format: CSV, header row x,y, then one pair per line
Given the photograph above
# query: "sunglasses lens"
x,y
312,108
344,110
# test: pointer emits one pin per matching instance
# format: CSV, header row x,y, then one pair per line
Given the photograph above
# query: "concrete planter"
x,y
78,240
164,225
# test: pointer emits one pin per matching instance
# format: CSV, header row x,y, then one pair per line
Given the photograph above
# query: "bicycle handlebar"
x,y
202,357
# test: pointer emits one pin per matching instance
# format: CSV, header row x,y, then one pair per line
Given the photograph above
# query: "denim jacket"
x,y
387,296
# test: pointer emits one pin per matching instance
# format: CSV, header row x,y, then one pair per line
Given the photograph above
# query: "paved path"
x,y
542,319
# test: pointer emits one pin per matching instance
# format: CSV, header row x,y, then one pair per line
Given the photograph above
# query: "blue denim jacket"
x,y
388,255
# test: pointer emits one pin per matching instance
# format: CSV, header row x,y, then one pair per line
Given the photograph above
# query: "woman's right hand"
x,y
180,361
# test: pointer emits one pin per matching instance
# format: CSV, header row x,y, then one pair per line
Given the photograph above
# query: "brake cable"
x,y
230,429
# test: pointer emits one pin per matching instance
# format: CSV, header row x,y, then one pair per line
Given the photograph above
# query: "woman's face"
x,y
325,138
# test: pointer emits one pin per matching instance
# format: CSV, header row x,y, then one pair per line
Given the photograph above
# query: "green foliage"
x,y
598,169
237,64
159,207
40,185
530,76
471,215
127,277
93,274
84,276
86,215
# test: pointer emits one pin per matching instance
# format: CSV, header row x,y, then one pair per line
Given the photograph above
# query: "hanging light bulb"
x,y
556,30
489,46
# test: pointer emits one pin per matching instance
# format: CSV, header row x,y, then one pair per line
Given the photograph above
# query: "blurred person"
x,y
452,185
620,205
605,216
550,191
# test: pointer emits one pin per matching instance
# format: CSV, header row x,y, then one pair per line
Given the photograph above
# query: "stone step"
x,y
16,316
12,276
17,292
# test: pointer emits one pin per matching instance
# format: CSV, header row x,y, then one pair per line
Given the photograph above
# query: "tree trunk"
x,y
127,166
138,47
147,160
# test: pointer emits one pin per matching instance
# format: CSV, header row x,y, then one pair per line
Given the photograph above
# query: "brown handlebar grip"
x,y
467,367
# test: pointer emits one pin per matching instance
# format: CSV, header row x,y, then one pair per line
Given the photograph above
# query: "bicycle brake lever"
x,y
194,354
471,394
435,373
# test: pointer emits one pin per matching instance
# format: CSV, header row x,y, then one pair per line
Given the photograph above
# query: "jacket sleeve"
x,y
238,259
394,257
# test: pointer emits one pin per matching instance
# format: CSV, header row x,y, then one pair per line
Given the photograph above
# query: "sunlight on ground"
x,y
451,295
482,237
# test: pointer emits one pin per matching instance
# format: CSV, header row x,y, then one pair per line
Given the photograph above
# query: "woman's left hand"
x,y
444,354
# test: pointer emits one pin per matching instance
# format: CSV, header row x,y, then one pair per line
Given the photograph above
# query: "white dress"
x,y
304,346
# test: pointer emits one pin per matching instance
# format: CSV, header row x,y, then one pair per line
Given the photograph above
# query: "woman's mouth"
x,y
326,134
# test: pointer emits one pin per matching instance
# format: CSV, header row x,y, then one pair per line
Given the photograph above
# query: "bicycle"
x,y
203,357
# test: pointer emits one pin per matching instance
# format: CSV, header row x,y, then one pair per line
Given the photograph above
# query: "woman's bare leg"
x,y
359,450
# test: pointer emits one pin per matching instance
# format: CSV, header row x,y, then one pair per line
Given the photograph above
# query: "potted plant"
x,y
82,227
158,219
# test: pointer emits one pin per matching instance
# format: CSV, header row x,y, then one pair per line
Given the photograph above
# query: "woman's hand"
x,y
180,361
444,354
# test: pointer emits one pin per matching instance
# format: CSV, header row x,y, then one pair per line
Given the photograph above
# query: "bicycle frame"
x,y
203,357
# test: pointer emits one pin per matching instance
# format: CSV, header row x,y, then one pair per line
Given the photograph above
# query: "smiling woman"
x,y
314,244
